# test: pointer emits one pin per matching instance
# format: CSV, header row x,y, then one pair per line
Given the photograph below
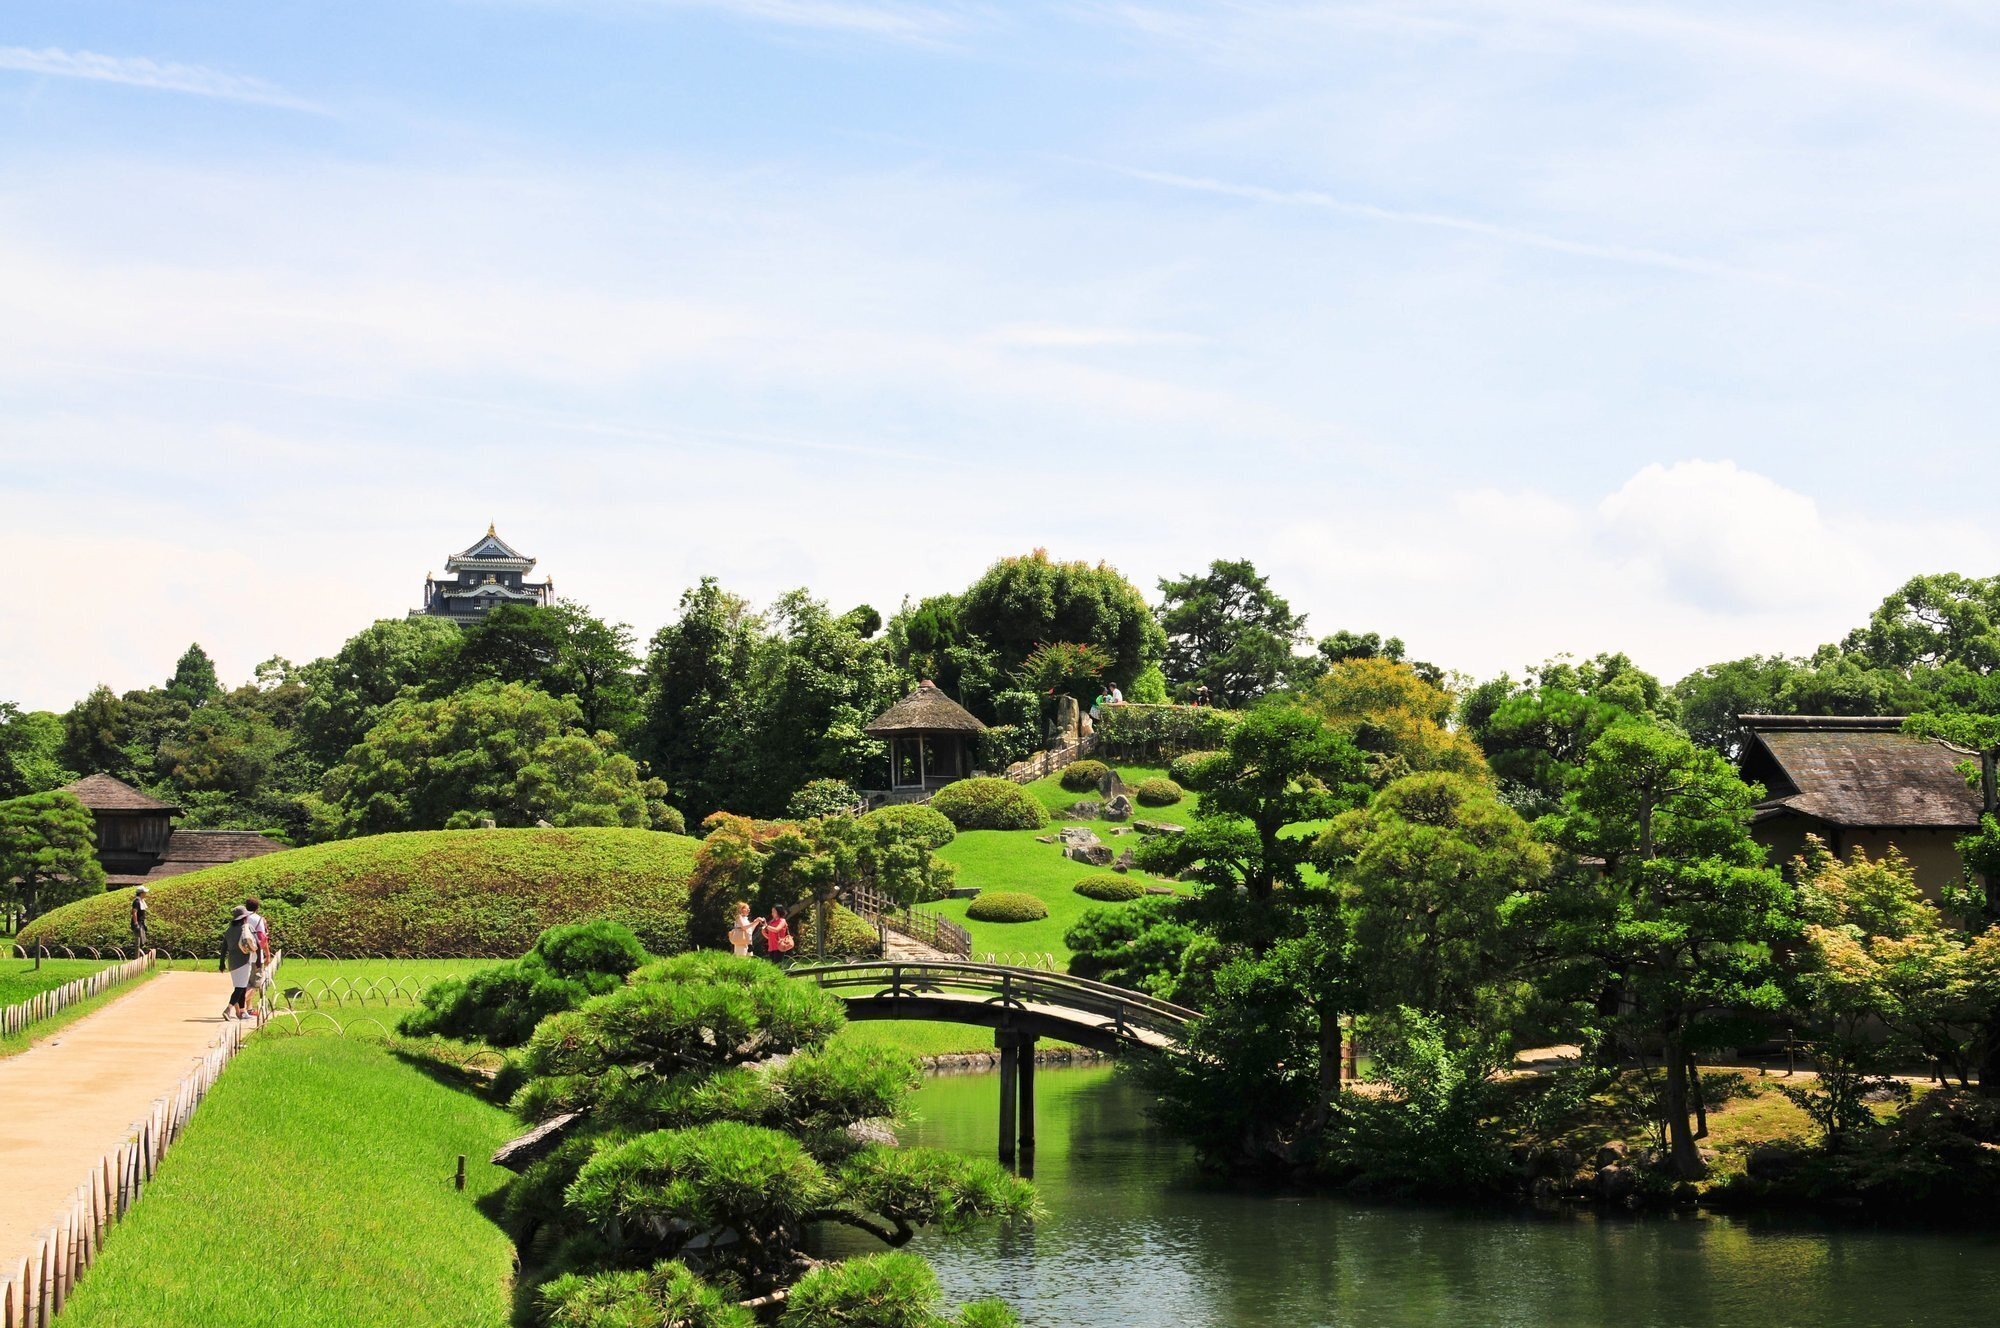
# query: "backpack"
x,y
246,942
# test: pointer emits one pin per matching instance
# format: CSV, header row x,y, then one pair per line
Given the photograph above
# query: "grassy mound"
x,y
1110,889
1157,793
426,894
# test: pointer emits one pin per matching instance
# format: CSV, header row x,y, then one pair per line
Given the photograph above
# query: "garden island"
x,y
1100,917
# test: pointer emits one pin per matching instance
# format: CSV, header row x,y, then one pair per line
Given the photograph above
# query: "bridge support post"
x,y
1010,1068
1017,1093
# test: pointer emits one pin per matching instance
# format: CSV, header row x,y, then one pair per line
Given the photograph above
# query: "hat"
x,y
142,890
239,912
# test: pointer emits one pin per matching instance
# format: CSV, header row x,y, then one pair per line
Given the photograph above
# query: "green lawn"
x,y
1014,860
314,1190
20,979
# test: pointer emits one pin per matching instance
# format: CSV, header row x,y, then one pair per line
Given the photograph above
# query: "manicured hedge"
x,y
929,826
437,894
1006,906
989,804
1157,793
1111,888
1083,776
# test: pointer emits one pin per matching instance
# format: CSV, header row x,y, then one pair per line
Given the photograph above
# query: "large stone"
x,y
1078,834
1085,809
522,1153
1096,855
1068,713
1119,808
1158,828
1123,863
1110,786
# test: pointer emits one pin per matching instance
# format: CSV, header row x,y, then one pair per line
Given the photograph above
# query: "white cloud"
x,y
141,72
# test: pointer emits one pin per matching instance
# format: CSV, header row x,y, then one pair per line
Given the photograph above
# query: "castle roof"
x,y
489,553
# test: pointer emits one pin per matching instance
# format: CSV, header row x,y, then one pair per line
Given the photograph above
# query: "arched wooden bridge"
x,y
1021,1006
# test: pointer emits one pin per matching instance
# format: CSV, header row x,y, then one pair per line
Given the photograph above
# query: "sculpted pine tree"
x,y
48,852
713,1137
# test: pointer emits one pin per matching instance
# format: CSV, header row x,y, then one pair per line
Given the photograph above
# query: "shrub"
x,y
1139,945
1003,744
989,804
1110,888
1157,792
1144,731
1083,776
848,935
822,797
926,825
425,894
1183,768
501,1005
1006,906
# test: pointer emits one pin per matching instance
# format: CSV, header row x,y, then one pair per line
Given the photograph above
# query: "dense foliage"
x,y
989,804
1083,776
442,894
1157,792
714,1100
501,1005
48,857
1110,888
1229,632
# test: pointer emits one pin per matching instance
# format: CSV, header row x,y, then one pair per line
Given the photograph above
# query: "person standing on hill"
x,y
139,920
239,957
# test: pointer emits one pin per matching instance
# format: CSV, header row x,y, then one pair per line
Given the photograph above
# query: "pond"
x,y
1133,1236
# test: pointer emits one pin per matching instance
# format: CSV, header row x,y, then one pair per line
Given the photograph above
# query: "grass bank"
x,y
20,978
1017,860
314,1190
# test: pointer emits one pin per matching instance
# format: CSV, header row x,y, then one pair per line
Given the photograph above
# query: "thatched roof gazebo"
x,y
930,739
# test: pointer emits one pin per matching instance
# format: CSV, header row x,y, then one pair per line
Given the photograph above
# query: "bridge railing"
x,y
1126,1014
934,930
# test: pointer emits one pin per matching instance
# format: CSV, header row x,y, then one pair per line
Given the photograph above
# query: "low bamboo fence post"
x,y
19,1018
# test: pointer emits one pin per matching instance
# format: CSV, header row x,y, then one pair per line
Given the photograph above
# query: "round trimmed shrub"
x,y
422,894
1082,776
926,825
1006,906
1110,888
989,804
822,797
1182,769
501,1005
1157,793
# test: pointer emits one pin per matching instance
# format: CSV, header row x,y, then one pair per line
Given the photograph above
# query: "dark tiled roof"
x,y
102,793
205,848
1859,772
925,710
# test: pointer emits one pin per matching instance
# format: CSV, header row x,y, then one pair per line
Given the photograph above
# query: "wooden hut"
x,y
930,739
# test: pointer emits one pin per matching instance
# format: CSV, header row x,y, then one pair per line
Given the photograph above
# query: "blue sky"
x,y
1510,327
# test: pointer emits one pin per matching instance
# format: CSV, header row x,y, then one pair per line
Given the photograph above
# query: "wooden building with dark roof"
x,y
930,739
490,573
1861,783
138,844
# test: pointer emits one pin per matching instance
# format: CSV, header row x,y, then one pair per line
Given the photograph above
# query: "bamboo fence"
x,y
17,1019
35,1293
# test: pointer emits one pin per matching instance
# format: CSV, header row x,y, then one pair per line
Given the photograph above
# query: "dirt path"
x,y
66,1102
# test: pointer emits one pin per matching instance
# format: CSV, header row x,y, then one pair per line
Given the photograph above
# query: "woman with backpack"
x,y
239,957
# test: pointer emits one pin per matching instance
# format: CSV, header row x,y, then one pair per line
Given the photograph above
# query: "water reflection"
x,y
1134,1237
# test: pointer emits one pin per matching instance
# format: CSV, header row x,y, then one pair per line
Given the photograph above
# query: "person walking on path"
x,y
239,958
743,929
139,920
777,935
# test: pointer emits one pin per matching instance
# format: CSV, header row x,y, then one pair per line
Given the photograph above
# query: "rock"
x,y
1118,809
1085,810
1617,1184
1158,828
1123,862
874,1133
1161,890
1075,835
1068,715
1111,786
1612,1154
1096,855
522,1153
1045,839
1122,830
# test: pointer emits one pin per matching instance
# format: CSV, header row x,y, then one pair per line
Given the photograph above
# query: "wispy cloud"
x,y
889,20
1313,198
138,71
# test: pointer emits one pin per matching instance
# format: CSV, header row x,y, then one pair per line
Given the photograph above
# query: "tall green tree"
x,y
1021,602
48,852
499,751
346,693
1684,916
95,733
31,751
595,667
1227,630
697,679
1280,769
194,682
